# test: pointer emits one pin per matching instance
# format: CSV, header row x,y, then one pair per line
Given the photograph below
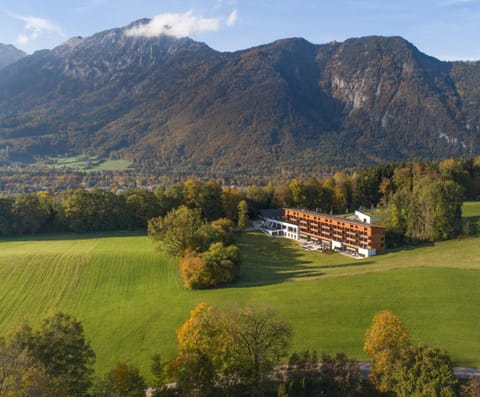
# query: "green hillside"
x,y
131,301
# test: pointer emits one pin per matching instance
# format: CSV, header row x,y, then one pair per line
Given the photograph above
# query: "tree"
x,y
61,348
140,206
230,199
336,376
384,341
124,380
28,215
201,348
297,193
258,339
421,371
232,349
6,205
303,374
20,374
225,229
178,230
159,376
217,266
243,220
340,376
471,388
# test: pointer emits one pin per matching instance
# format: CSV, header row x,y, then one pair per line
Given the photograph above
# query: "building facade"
x,y
355,235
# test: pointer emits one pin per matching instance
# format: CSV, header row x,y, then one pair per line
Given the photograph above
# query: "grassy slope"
x,y
85,163
131,301
471,211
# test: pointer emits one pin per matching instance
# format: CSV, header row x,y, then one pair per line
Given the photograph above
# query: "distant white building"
x,y
277,228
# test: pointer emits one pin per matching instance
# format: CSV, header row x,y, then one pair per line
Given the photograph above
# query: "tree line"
x,y
236,352
420,200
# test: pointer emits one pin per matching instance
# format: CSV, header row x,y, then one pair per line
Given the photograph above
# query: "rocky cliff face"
x,y
178,105
9,54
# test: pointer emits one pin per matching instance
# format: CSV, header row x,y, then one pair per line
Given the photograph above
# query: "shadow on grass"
x,y
475,219
267,260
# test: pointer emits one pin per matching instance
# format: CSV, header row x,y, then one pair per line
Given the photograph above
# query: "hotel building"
x,y
355,233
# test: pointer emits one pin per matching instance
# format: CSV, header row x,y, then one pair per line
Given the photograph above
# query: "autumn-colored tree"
x,y
230,199
384,341
192,271
200,352
225,228
217,266
232,349
243,220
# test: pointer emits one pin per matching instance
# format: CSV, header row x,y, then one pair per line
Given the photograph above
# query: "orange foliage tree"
x,y
384,342
209,269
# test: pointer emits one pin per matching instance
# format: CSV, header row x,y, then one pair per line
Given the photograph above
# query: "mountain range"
x,y
175,105
9,54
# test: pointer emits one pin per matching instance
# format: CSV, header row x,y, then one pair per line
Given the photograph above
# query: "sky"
x,y
445,29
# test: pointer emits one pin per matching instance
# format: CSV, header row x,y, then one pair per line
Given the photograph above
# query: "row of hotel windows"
x,y
323,222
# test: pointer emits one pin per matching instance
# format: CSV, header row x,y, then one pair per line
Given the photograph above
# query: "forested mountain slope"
x,y
176,105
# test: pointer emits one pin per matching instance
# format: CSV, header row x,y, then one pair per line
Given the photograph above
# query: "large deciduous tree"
x,y
59,345
404,369
258,339
212,268
178,230
20,374
422,371
232,349
384,341
200,351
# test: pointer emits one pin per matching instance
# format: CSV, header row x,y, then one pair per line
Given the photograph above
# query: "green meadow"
x,y
85,163
130,299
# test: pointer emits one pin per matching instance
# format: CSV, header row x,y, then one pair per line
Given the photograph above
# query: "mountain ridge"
x,y
9,54
177,105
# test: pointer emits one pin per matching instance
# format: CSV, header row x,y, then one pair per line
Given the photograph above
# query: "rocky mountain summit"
x,y
9,54
176,105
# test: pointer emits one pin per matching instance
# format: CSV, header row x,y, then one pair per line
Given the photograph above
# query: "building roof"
x,y
336,218
272,213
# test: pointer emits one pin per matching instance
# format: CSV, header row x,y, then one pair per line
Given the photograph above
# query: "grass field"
x,y
471,211
130,299
85,163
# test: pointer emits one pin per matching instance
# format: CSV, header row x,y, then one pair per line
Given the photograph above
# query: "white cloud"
x,y
34,27
232,18
22,39
37,25
180,25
